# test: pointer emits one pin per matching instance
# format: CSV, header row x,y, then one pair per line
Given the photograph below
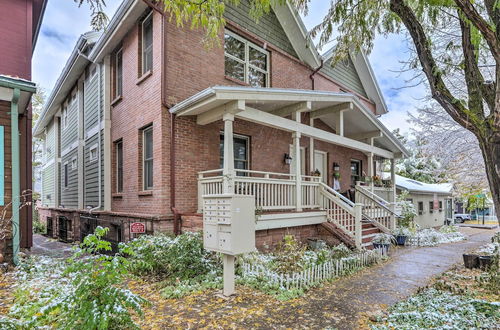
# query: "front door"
x,y
320,164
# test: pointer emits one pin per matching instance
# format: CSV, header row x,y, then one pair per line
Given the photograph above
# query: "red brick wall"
x,y
15,38
141,106
189,68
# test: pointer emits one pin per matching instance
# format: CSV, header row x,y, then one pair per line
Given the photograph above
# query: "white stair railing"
x,y
376,209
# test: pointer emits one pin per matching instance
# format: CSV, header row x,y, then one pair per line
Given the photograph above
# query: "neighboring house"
x,y
433,202
145,121
19,27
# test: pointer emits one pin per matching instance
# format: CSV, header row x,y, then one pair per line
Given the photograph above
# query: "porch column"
x,y
298,175
228,165
370,169
393,180
15,173
311,149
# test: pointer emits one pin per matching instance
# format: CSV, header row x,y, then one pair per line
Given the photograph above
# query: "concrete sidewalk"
x,y
50,247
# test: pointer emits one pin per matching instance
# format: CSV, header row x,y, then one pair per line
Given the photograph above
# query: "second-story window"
x,y
118,74
147,158
245,61
147,44
64,121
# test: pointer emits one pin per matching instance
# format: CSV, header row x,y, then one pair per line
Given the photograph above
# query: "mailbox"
x,y
229,223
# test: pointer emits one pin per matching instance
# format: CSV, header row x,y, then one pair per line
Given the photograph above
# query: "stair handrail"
x,y
345,203
375,198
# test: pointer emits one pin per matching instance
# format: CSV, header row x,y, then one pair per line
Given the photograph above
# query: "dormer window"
x,y
245,61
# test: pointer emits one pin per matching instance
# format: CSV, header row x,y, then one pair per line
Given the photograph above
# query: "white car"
x,y
461,217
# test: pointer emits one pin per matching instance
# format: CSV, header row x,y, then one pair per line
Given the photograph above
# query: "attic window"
x,y
245,61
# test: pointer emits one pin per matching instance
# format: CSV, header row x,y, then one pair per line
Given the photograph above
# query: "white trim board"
x,y
284,220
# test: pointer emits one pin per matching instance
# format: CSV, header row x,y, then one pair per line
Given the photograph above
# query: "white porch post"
x,y
228,166
298,175
392,198
370,169
311,149
358,216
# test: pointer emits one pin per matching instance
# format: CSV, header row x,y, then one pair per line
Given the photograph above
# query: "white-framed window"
x,y
420,208
241,149
147,43
245,61
118,73
356,170
147,158
440,206
64,117
119,165
73,163
431,206
73,97
93,153
66,174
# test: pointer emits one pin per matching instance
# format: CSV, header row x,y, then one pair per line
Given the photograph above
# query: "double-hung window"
x,y
241,152
245,61
119,166
66,175
147,158
147,44
355,171
64,121
431,206
118,74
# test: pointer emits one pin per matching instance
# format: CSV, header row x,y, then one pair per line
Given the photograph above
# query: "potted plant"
x,y
382,241
471,260
401,234
377,180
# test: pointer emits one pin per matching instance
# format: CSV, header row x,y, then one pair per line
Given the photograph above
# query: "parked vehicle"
x,y
461,217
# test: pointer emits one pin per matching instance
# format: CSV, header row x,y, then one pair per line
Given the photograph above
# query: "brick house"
x,y
19,27
145,121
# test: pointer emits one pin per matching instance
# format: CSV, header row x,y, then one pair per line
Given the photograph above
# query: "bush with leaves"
x,y
84,293
172,258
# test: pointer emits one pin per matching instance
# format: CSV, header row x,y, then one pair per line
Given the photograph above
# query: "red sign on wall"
x,y
137,228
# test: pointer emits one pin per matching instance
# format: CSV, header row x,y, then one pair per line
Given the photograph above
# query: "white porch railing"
x,y
272,191
376,208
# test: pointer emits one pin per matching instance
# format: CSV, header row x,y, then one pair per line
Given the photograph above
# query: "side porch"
x,y
311,191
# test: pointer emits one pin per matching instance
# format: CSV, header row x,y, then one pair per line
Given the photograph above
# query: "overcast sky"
x,y
64,22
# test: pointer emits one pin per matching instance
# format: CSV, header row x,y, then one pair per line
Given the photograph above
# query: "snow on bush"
x,y
432,237
435,309
489,248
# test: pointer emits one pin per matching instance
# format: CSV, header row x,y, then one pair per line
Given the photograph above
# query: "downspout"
x,y
16,186
311,76
100,142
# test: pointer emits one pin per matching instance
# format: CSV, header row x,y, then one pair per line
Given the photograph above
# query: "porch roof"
x,y
361,129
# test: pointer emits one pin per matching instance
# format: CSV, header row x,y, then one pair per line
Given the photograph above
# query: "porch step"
x,y
370,230
339,233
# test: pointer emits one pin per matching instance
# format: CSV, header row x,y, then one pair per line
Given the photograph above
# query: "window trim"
x,y
117,185
117,95
360,169
65,175
238,136
246,63
144,20
74,163
94,147
420,211
64,116
431,206
143,132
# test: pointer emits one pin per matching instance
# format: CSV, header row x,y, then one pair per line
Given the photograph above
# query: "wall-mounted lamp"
x,y
287,159
336,167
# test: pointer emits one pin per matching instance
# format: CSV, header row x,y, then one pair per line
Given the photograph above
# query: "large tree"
x,y
458,38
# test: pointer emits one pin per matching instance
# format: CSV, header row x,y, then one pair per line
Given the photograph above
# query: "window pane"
x,y
234,69
257,58
240,165
147,44
256,78
148,143
119,74
234,47
240,149
119,167
148,174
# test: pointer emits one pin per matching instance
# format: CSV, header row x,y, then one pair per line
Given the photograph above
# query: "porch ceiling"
x,y
359,123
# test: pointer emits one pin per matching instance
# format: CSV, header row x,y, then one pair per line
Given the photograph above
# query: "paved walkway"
x,y
50,247
336,305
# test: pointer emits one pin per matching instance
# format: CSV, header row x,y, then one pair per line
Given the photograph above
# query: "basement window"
x,y
245,61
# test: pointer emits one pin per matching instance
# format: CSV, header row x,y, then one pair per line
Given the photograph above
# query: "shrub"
x,y
39,227
167,258
288,255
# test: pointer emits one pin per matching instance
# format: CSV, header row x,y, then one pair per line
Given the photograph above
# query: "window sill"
x,y
117,195
144,77
116,100
237,81
145,193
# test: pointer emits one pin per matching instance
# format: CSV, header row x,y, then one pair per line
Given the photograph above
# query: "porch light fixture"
x,y
336,167
287,159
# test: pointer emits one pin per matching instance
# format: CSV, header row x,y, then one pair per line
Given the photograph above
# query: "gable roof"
x,y
367,77
422,187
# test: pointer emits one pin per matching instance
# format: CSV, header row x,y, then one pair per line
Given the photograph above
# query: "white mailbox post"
x,y
229,228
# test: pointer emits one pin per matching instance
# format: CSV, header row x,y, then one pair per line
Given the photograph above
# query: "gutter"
x,y
311,76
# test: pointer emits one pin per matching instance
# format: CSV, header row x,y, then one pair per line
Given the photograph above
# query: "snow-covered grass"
x,y
489,248
435,309
432,237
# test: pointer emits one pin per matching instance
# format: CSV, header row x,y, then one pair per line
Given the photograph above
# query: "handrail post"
x,y
358,230
200,193
298,178
392,207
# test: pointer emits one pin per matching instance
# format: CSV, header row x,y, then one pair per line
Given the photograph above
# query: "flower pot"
x,y
383,247
401,239
471,260
485,262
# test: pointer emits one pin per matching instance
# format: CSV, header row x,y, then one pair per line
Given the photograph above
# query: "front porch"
x,y
313,120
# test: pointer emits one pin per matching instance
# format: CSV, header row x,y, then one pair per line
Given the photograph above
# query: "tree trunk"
x,y
490,148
